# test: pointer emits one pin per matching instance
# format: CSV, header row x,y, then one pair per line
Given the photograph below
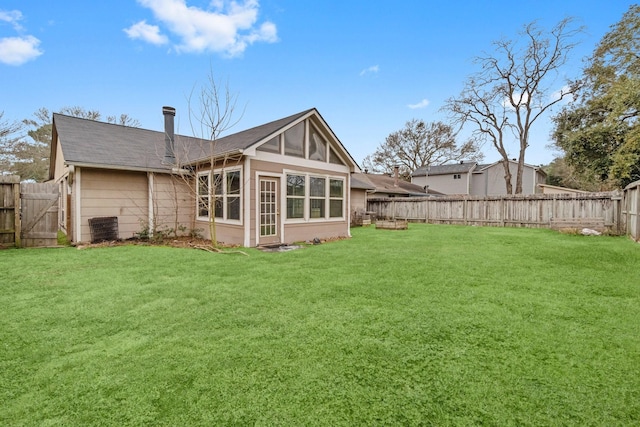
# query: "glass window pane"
x,y
335,208
295,185
317,146
335,188
203,206
294,141
219,211
217,183
295,208
271,146
233,208
233,182
333,157
316,208
203,184
316,187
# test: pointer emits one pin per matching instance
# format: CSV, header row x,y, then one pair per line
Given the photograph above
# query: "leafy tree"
x,y
8,131
564,175
514,88
28,156
600,134
419,144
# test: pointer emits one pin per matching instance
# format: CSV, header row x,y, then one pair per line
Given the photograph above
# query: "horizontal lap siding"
x,y
228,234
114,193
307,232
174,204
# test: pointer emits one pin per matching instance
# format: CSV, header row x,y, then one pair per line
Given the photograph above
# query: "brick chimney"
x,y
396,173
169,135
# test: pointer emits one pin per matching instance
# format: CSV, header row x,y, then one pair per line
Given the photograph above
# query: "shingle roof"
x,y
90,142
386,184
444,169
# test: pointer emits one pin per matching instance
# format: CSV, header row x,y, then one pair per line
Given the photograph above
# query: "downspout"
x,y
150,220
246,206
78,209
348,204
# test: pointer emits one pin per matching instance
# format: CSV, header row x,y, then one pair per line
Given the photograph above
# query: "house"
x,y
471,178
367,185
554,189
284,181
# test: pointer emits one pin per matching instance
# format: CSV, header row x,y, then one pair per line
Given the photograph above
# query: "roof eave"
x,y
118,167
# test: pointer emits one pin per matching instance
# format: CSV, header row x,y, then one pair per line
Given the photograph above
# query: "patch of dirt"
x,y
175,242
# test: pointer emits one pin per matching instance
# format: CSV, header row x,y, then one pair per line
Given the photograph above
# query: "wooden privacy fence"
x,y
9,210
593,210
631,210
28,213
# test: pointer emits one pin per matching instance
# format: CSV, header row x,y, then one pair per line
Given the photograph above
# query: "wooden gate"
x,y
9,210
39,214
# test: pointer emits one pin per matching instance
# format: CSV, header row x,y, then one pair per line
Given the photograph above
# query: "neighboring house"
x,y
365,186
471,178
554,189
284,181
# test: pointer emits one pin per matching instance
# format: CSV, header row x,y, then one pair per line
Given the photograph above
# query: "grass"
x,y
436,325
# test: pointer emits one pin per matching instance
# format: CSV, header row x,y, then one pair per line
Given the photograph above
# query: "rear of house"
x,y
284,181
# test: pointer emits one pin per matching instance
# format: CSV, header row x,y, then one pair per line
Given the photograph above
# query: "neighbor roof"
x,y
444,169
93,143
386,184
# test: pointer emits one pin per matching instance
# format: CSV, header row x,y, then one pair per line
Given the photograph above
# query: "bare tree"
x,y
514,88
211,114
419,144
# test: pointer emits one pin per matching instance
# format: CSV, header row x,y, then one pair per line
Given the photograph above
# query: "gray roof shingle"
x,y
89,142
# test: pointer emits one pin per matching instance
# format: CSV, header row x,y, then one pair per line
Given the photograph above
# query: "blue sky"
x,y
368,66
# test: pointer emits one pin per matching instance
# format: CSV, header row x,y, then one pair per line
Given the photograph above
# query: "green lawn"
x,y
435,325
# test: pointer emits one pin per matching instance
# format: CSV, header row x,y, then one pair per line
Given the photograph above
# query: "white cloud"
x,y
228,27
421,104
18,50
146,32
567,99
373,69
12,17
518,99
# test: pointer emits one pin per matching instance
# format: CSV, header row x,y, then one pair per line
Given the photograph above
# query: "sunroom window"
x,y
317,146
314,197
336,196
294,141
271,146
226,197
295,196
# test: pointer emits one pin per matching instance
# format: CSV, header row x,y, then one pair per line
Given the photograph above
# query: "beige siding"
x,y
447,185
419,180
296,232
60,168
307,232
226,234
358,201
494,179
174,204
114,193
496,184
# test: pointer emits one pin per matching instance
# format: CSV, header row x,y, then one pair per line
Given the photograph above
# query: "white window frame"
x,y
307,197
225,197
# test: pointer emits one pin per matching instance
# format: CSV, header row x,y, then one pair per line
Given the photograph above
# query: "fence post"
x,y
465,204
16,212
426,209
